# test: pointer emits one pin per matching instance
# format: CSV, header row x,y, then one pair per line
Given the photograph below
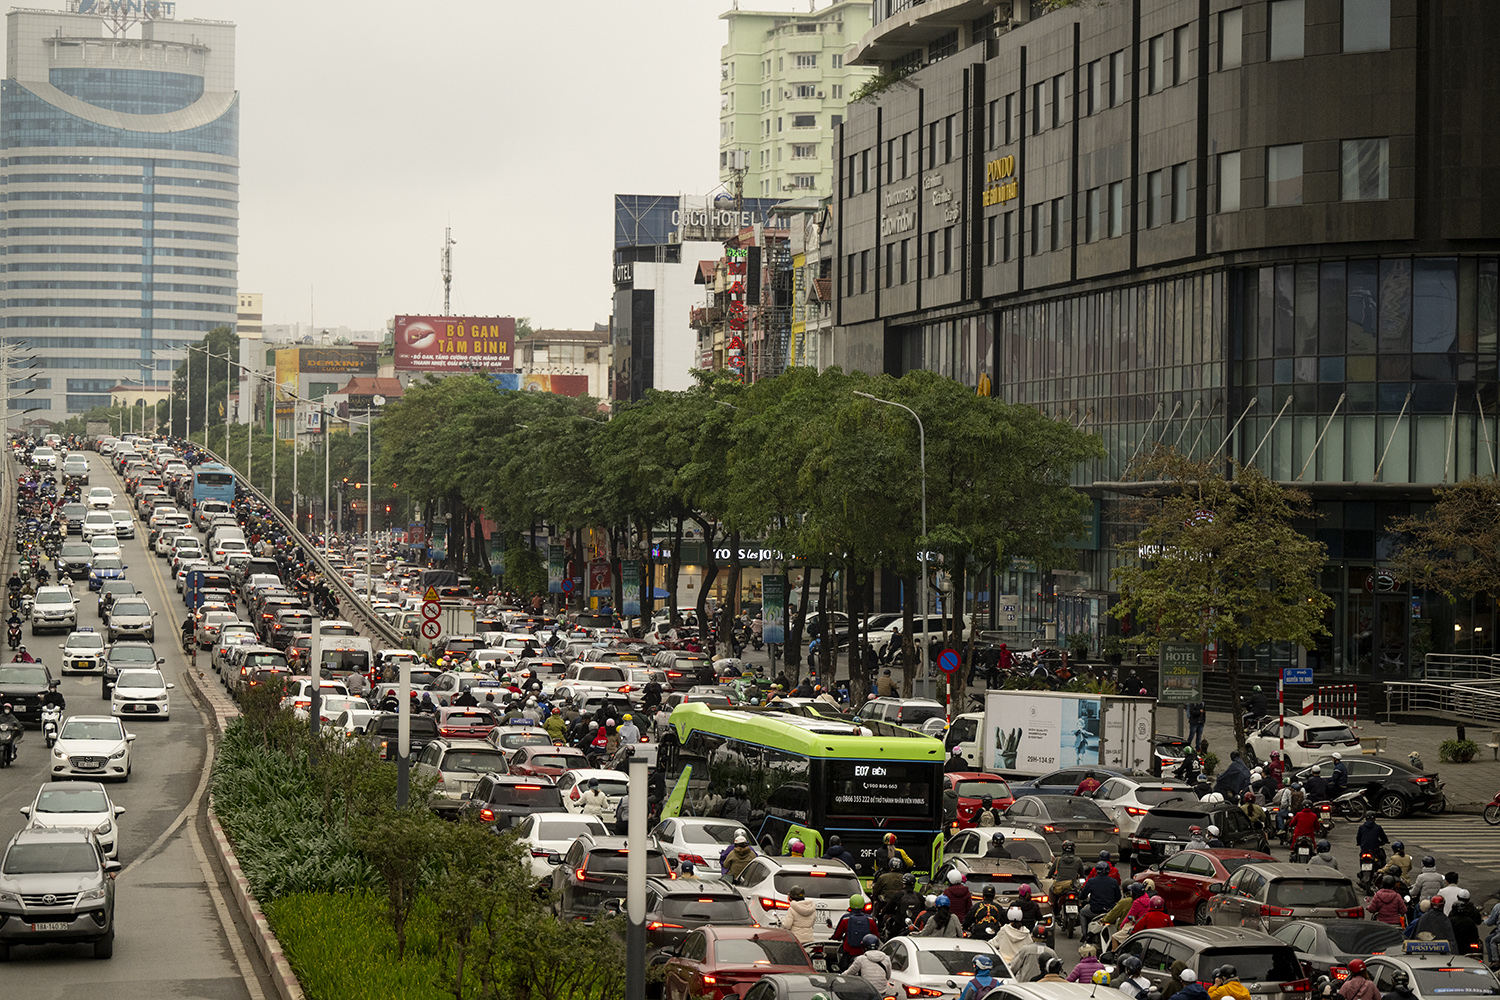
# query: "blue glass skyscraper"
x,y
119,173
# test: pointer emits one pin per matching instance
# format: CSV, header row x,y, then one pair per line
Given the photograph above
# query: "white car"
x,y
330,706
938,967
101,498
83,652
141,692
230,634
545,834
78,803
765,884
298,695
106,545
1128,800
1309,738
353,720
699,839
91,746
572,784
1020,843
53,608
98,522
124,523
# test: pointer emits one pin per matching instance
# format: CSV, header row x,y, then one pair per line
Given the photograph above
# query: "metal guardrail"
x,y
1464,701
1460,666
347,596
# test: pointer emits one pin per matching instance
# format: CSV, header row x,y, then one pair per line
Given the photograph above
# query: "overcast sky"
x,y
365,128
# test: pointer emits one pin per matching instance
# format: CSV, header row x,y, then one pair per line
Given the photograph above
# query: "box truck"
x,y
1034,732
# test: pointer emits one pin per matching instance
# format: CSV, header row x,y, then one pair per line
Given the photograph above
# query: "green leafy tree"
x,y
209,379
402,846
1454,547
1219,560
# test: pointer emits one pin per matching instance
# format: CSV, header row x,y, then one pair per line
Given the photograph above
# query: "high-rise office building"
x,y
783,86
119,160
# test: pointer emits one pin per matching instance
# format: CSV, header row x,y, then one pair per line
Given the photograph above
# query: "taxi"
x,y
83,652
1434,973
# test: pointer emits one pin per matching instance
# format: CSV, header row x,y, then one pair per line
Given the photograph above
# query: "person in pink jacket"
x,y
1088,964
1387,905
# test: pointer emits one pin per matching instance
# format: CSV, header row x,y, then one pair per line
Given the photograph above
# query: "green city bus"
x,y
858,783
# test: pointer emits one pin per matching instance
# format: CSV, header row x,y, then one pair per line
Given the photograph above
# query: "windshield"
x,y
1156,796
23,676
537,798
1476,982
1325,892
743,951
1329,734
1364,938
1173,826
108,562
474,761
54,597
87,640
818,885
1067,807
49,859
72,800
131,608
920,713
91,729
514,741
1233,865
141,679
957,961
605,861
709,909
601,674
1256,965
131,654
559,828
995,789
77,550
716,833
615,788
553,760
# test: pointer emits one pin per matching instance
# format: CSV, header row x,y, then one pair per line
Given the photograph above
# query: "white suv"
x,y
54,608
98,522
765,884
933,629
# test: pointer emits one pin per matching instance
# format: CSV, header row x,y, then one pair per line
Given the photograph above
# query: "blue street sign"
x,y
948,661
1296,675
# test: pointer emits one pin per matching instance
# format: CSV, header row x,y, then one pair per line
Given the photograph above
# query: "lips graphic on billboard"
x,y
455,343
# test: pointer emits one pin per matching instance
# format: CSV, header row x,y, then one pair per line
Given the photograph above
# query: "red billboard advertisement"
x,y
455,343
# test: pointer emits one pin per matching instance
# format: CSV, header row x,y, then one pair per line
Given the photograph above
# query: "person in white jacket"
x,y
802,914
1012,937
593,801
873,966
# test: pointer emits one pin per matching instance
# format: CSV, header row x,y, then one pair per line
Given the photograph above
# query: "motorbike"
x,y
1353,805
1367,871
1066,904
1492,811
10,735
13,634
188,642
1302,852
51,719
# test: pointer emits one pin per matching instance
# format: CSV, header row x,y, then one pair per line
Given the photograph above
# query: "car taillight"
x,y
1267,910
710,980
1049,828
1043,898
1338,972
922,991
696,859
657,925
1136,811
767,903
1354,913
869,906
582,874
485,814
1421,780
1140,843
1297,986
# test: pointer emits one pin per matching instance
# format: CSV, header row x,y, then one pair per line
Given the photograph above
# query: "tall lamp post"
x,y
922,564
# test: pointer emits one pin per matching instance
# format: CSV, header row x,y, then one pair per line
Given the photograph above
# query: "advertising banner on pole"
x,y
454,343
630,587
1181,673
773,609
601,581
497,554
556,568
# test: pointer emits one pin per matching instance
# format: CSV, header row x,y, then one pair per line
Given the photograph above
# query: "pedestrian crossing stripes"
x,y
1462,838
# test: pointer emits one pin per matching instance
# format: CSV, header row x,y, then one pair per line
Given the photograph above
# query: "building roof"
x,y
373,386
705,272
594,336
823,289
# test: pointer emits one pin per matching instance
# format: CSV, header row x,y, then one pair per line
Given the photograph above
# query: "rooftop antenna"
x,y
447,259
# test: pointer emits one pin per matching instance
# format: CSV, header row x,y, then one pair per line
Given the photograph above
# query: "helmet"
x,y
894,864
1137,888
795,892
1188,975
957,750
1014,915
1256,688
1275,754
943,901
593,782
1024,892
1338,756
909,880
953,876
856,902
1101,978
986,801
52,683
1213,831
627,716
1324,847
929,901
6,707
989,892
1104,856
1249,797
1067,847
890,838
997,838
1102,868
1157,903
1131,965
1040,930
593,725
1317,769
1054,966
983,963
1388,881
1195,829
796,847
1429,862
1397,846
1356,966
1463,894
1400,980
870,941
1438,903
609,722
1227,972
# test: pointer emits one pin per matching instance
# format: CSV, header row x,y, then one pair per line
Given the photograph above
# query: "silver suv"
x,y
57,888
54,608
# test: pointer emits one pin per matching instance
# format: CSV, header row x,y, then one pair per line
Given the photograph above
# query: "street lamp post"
x,y
922,565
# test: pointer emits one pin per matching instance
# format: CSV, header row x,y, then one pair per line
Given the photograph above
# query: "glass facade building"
x,y
1238,227
119,173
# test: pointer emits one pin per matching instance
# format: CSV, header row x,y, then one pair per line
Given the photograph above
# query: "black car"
x,y
75,513
501,799
1327,945
676,906
23,684
592,872
73,560
126,656
1164,830
1064,781
789,986
1392,786
112,590
382,731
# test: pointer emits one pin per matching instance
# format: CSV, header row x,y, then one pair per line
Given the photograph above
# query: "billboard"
x,y
335,361
454,343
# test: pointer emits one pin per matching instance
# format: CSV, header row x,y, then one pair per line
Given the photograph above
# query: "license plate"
x,y
134,708
85,664
88,765
1170,849
1367,867
52,925
1071,910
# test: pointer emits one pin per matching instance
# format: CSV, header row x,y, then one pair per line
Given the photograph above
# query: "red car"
x,y
971,786
469,722
1182,880
721,962
548,761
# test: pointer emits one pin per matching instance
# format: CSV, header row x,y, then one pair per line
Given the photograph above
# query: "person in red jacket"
x,y
959,896
1304,824
1155,917
1387,905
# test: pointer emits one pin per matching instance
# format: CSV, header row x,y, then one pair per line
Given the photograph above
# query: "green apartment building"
x,y
783,85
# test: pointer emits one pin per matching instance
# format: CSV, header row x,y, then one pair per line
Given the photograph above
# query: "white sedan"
x,y
1309,738
572,784
141,692
545,834
938,967
91,746
78,803
765,884
698,839
1127,800
101,498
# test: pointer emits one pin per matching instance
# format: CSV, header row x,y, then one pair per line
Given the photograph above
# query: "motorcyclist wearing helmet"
x,y
1155,917
872,965
903,909
1359,985
795,848
834,850
802,916
1428,881
987,814
1432,924
1100,893
1088,964
1134,983
1053,971
1338,781
982,982
1254,813
1108,859
1012,937
22,656
1400,860
887,885
941,922
1324,855
997,848
1372,839
1196,840
1305,823
1400,988
1067,868
1191,988
1213,836
54,697
9,721
1315,785
1140,902
1031,958
1386,904
1227,984
959,896
1031,911
854,927
986,916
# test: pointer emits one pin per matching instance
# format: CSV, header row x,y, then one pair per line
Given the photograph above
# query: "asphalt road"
x,y
177,931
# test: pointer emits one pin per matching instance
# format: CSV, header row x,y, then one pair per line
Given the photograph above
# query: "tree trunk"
x,y
617,582
794,640
824,621
908,649
648,581
674,569
710,574
732,595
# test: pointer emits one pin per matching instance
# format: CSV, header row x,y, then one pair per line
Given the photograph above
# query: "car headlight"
x,y
102,828
10,897
118,754
59,754
91,894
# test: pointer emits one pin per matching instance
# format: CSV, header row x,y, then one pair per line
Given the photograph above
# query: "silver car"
x,y
56,887
131,618
77,803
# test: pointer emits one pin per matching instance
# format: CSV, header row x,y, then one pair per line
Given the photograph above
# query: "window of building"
x,y
932,254
948,261
1038,106
1035,230
1007,224
1091,228
838,92
1288,29
1367,25
1010,118
806,60
890,260
1059,100
943,47
948,151
905,256
1155,198
1117,208
849,275
838,62
1055,224
1156,64
779,126
1229,182
988,140
806,181
780,64
723,71
834,121
806,91
990,248
864,171
864,271
1284,175
1098,87
932,144
1365,168
1182,49
1117,90
802,121
1231,38
889,160
905,157
1180,193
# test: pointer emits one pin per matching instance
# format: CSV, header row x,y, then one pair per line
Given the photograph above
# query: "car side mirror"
x,y
119,810
161,660
170,686
59,645
130,737
554,858
1218,888
25,810
112,866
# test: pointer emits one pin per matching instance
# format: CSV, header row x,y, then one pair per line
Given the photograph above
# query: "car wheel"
x,y
1200,914
105,948
1392,806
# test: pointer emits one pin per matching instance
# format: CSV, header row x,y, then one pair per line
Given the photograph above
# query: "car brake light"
x,y
696,859
710,980
1136,811
1297,986
1266,910
582,874
485,814
1049,828
1355,913
818,874
920,991
767,903
528,788
1043,898
1140,843
657,925
1422,780
540,854
1338,972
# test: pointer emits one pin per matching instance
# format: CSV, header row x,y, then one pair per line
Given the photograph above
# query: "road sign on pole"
x,y
948,661
432,612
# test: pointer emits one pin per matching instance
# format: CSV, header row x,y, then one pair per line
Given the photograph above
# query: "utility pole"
x,y
447,262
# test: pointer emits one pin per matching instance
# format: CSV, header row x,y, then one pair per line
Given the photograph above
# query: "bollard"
x,y
1461,732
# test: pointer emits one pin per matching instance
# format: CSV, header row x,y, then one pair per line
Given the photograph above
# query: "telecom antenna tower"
x,y
447,260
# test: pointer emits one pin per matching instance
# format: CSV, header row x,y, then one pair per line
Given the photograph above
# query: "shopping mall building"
x,y
1265,229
